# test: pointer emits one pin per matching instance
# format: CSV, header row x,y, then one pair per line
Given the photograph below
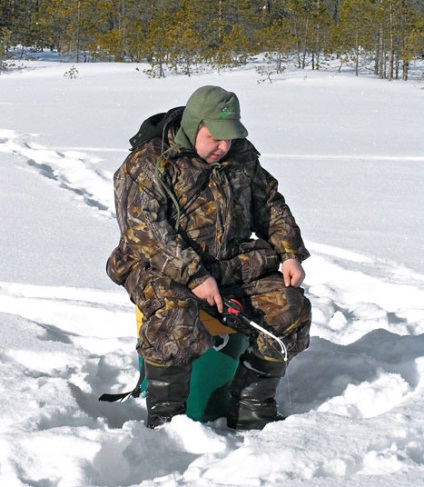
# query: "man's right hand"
x,y
209,292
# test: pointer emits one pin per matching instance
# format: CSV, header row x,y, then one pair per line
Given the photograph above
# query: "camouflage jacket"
x,y
185,218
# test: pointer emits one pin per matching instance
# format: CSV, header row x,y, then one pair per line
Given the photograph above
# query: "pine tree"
x,y
355,32
410,33
159,37
5,35
57,24
19,18
278,42
185,43
399,25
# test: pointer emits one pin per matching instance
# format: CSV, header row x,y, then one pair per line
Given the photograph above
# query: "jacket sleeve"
x,y
147,227
272,218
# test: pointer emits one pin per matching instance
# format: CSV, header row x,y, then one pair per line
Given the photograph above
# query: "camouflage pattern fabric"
x,y
172,333
215,209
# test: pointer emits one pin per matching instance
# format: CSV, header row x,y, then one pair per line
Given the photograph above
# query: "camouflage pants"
x,y
171,332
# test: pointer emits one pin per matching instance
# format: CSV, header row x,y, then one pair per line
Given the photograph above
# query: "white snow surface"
x,y
349,156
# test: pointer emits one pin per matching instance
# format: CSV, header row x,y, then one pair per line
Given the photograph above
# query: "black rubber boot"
x,y
166,393
252,404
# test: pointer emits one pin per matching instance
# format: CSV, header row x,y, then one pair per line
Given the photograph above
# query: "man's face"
x,y
210,149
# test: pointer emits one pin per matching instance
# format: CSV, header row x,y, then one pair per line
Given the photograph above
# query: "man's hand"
x,y
293,272
209,291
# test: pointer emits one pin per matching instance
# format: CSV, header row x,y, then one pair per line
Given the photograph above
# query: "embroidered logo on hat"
x,y
226,112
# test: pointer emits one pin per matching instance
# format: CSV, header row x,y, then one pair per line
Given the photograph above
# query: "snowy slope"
x,y
349,155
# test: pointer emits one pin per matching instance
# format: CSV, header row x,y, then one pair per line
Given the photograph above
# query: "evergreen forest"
x,y
382,36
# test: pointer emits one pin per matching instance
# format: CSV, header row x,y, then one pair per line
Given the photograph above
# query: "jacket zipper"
x,y
220,221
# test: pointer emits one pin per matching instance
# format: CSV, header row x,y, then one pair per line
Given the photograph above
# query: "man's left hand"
x,y
293,272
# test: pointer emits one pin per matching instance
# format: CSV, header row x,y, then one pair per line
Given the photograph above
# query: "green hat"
x,y
218,109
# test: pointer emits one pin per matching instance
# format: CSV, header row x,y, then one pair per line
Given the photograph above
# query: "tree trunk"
x,y
392,46
357,53
78,31
405,70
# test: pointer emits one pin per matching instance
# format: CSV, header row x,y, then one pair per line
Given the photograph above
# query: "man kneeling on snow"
x,y
189,197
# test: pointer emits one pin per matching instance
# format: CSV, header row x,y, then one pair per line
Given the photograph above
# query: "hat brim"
x,y
228,129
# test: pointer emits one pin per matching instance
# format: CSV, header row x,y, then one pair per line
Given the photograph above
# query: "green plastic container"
x,y
212,373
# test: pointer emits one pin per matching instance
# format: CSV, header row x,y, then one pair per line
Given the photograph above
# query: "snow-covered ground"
x,y
349,155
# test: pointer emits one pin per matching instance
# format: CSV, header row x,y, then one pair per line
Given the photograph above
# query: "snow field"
x,y
349,157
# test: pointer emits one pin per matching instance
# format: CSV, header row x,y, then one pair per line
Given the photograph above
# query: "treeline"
x,y
385,35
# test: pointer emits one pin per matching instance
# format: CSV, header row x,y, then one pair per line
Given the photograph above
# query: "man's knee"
x,y
288,314
284,308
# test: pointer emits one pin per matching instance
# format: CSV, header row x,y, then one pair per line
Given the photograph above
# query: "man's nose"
x,y
224,145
